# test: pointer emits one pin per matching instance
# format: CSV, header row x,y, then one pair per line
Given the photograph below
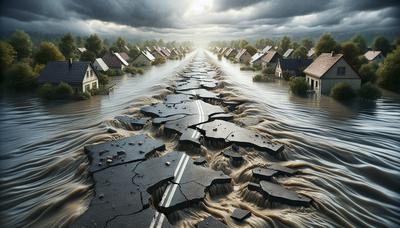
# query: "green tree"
x,y
382,44
251,49
22,44
243,43
368,72
7,55
307,43
300,53
298,85
326,44
360,42
351,52
284,44
370,91
119,44
88,56
67,45
389,71
295,45
48,52
94,44
342,91
20,76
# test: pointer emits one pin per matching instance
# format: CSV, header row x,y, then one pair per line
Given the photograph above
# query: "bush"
x,y
83,96
103,79
46,91
134,70
158,61
260,78
368,72
370,91
257,66
342,91
268,70
114,72
247,68
389,71
64,90
298,85
20,76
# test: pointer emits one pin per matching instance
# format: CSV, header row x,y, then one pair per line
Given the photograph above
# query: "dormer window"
x,y
341,71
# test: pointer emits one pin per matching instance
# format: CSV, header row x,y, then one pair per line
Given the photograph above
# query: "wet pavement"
x,y
139,182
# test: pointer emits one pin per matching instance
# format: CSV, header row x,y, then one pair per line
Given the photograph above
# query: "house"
x,y
287,68
270,59
231,53
173,53
158,54
165,52
115,61
374,56
145,58
228,50
256,58
100,65
222,52
329,69
311,53
287,53
80,75
243,56
267,48
125,56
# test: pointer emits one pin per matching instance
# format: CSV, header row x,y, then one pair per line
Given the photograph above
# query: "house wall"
x,y
141,60
245,58
90,81
331,78
278,71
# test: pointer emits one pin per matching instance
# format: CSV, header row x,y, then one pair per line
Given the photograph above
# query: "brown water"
x,y
348,155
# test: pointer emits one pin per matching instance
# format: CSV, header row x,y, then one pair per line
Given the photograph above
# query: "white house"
x,y
100,65
79,75
374,56
145,58
329,69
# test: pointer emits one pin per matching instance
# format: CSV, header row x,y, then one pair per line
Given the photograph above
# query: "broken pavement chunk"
x,y
283,169
263,174
190,136
121,151
211,222
278,193
135,123
240,214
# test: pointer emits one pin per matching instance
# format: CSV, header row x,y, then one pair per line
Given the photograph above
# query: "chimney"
x,y
70,62
332,53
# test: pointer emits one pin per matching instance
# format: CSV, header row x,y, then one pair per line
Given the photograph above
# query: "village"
x,y
326,68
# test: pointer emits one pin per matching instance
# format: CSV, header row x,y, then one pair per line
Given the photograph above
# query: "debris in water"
x,y
240,214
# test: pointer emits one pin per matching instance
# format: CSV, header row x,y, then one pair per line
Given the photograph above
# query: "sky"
x,y
200,20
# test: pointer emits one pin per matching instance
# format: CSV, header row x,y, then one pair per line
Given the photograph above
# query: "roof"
x,y
165,52
256,57
288,53
82,49
114,60
62,71
148,55
269,56
127,48
159,52
267,48
124,56
371,55
294,64
240,53
322,64
311,52
99,62
228,52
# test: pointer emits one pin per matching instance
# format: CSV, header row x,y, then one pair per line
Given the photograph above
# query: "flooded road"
x,y
347,155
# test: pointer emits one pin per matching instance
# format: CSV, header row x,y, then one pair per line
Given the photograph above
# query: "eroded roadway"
x,y
138,183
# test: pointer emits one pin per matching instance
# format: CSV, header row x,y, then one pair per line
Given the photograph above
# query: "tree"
x,y
284,44
94,44
22,44
133,53
368,72
382,44
298,85
360,42
243,43
251,49
300,53
389,71
295,45
326,44
20,76
307,43
119,44
67,45
88,56
48,52
7,55
351,53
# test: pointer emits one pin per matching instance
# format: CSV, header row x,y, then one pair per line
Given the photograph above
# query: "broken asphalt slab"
x,y
135,123
211,222
111,153
230,133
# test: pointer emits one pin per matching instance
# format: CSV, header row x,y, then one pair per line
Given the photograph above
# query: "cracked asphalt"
x,y
138,182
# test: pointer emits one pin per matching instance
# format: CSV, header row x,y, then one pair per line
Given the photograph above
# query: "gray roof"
x,y
296,65
288,53
62,71
99,64
371,55
322,64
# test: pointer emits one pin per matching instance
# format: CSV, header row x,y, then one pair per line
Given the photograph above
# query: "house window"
x,y
316,84
87,88
341,70
94,85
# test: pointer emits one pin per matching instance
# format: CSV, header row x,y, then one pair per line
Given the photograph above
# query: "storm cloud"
x,y
191,19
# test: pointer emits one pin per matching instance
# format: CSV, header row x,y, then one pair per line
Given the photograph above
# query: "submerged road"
x,y
139,181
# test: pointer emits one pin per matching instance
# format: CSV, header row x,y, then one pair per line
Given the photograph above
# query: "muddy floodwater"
x,y
347,155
